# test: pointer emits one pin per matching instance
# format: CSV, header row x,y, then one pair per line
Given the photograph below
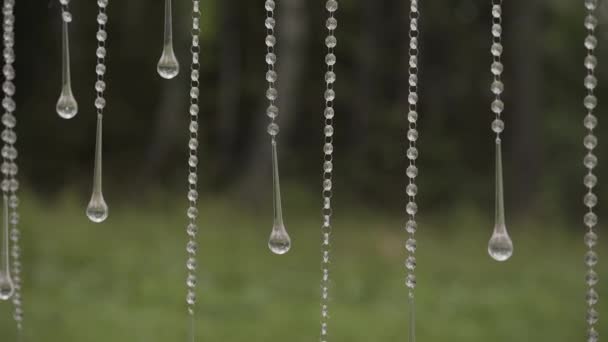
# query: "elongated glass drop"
x,y
412,320
7,287
67,107
168,66
97,210
500,246
279,242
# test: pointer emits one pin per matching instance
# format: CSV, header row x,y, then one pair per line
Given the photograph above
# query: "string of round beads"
x,y
271,75
590,162
66,16
10,184
192,213
497,68
328,149
100,68
412,151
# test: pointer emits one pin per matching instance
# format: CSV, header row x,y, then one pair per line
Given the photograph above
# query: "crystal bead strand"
x,y
192,213
9,153
328,149
67,107
590,162
500,246
279,241
97,210
412,169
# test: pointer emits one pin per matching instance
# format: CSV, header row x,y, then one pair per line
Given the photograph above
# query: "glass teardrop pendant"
x,y
97,210
279,242
67,107
7,287
168,66
500,246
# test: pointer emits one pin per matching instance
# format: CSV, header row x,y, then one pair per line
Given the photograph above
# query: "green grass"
x,y
124,280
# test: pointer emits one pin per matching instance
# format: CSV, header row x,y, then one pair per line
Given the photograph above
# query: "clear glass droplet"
x,y
500,246
67,107
97,210
168,66
7,287
279,242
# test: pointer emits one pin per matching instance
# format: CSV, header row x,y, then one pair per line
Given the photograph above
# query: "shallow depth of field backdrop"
x,y
123,280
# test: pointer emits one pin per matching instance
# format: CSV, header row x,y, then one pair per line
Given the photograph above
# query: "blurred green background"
x,y
124,280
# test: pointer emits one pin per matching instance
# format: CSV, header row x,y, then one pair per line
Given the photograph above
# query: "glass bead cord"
x,y
97,210
500,246
192,196
10,184
328,149
66,107
590,199
412,169
279,241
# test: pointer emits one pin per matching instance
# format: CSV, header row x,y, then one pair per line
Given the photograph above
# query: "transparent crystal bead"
x,y
332,5
327,185
411,208
590,22
328,166
410,281
410,263
590,82
330,77
497,87
270,23
590,121
413,61
496,49
191,247
412,98
590,62
412,134
590,141
270,40
590,102
328,148
102,35
496,11
271,76
272,94
592,316
592,335
591,259
591,4
413,80
102,3
592,297
496,30
591,278
412,153
498,106
411,190
498,126
590,200
331,41
412,116
273,129
271,58
329,113
590,161
191,264
331,24
412,171
328,131
330,59
590,180
330,95
590,239
270,5
102,18
100,69
272,111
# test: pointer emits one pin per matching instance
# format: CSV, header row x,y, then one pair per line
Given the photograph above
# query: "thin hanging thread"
x,y
10,184
66,107
97,210
328,148
412,169
279,241
500,246
192,212
590,162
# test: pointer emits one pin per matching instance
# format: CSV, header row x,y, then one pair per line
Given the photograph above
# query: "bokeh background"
x,y
123,280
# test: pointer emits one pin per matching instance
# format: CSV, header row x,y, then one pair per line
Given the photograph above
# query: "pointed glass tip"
x,y
7,287
67,107
97,210
500,246
279,242
168,66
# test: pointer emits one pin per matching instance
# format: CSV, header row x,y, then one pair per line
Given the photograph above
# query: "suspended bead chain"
x,y
9,155
497,68
412,169
100,68
192,213
328,149
271,75
590,162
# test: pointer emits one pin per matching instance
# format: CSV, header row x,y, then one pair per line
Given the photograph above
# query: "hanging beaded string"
x,y
271,75
328,149
192,213
9,154
412,169
497,67
100,68
590,162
